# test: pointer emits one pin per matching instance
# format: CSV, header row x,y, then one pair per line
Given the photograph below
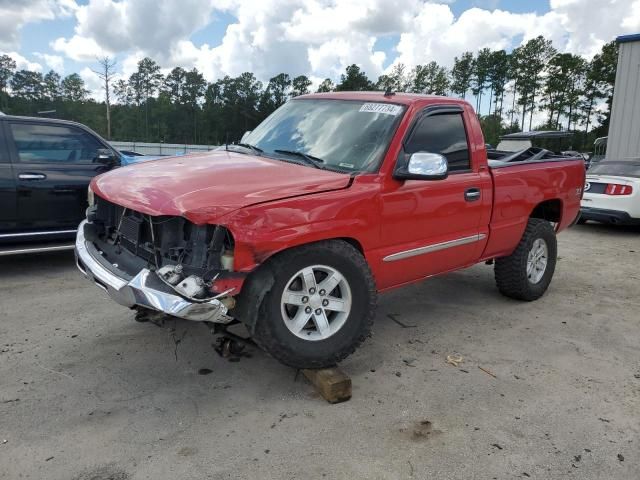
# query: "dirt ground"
x,y
88,393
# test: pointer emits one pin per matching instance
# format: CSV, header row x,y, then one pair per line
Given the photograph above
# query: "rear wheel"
x,y
320,307
527,272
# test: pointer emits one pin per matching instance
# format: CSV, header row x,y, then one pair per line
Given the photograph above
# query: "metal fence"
x,y
161,148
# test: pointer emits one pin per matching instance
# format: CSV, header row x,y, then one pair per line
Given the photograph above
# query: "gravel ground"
x,y
87,393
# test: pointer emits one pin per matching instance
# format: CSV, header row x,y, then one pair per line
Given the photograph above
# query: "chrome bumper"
x,y
145,289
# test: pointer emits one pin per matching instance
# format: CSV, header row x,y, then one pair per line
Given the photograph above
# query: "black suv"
x,y
45,168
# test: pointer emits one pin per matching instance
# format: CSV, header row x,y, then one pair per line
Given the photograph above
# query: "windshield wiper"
x,y
253,148
309,159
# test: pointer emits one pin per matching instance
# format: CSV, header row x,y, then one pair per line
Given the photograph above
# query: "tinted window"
x,y
347,135
444,134
38,143
620,169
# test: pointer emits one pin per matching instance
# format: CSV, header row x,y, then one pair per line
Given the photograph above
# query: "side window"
x,y
42,143
444,134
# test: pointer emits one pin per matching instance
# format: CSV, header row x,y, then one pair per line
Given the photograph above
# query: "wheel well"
x,y
261,280
550,210
350,240
354,243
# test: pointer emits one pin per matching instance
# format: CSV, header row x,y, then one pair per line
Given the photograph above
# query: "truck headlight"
x,y
90,197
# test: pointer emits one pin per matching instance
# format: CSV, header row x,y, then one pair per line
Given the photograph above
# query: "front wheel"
x,y
320,307
527,272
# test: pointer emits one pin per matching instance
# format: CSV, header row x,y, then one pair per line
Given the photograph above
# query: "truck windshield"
x,y
346,135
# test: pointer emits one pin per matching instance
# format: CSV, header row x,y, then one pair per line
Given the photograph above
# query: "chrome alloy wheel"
x,y
316,302
537,261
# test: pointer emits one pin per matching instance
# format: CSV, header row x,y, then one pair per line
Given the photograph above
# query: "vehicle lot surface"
x,y
87,393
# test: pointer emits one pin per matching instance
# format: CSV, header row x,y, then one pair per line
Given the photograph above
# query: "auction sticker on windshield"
x,y
385,108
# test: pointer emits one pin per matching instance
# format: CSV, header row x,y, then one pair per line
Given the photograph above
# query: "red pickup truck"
x,y
333,198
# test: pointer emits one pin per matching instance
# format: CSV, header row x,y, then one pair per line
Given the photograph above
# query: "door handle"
x,y
32,176
472,194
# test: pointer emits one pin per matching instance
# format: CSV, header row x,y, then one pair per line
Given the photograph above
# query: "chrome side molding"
x,y
34,234
433,247
40,249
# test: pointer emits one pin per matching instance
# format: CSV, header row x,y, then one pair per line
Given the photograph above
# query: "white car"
x,y
612,193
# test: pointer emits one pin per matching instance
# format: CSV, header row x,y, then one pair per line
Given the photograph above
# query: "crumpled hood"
x,y
203,187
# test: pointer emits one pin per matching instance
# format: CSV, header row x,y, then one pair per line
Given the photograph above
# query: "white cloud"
x,y
93,83
591,23
54,62
576,26
186,54
153,26
79,48
251,43
14,14
632,22
320,21
330,58
22,63
314,37
320,38
130,63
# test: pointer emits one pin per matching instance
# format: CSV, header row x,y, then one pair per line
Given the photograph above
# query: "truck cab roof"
x,y
58,121
380,97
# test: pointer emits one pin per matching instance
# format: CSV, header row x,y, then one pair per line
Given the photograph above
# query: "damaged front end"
x,y
166,264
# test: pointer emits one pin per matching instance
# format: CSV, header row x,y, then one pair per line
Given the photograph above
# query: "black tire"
x,y
272,334
581,221
511,272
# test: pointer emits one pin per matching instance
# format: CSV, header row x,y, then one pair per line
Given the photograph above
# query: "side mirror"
x,y
244,136
106,156
423,166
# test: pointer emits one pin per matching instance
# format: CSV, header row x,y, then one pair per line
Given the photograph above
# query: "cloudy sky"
x,y
313,37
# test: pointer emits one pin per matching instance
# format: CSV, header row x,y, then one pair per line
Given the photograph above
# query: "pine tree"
x,y
354,79
461,74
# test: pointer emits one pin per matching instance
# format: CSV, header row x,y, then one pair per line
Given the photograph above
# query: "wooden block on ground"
x,y
333,384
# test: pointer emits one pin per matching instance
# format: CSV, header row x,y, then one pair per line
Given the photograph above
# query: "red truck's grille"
x,y
161,240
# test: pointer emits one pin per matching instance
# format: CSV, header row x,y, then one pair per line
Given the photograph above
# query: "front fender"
x,y
261,231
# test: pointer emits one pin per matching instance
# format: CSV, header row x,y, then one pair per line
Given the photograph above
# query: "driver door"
x,y
53,165
433,226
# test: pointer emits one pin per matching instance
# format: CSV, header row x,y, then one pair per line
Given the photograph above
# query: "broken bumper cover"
x,y
144,289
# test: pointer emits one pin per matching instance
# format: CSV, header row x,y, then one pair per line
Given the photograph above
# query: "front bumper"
x,y
607,216
144,289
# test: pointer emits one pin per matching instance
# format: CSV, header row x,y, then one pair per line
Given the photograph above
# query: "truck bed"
x,y
500,157
521,186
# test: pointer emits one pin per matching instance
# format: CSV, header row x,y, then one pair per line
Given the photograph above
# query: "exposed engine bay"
x,y
187,257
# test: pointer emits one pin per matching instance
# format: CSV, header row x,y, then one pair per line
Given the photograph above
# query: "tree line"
x,y
507,88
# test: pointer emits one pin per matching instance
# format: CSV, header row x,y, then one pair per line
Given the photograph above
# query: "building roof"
x,y
628,38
